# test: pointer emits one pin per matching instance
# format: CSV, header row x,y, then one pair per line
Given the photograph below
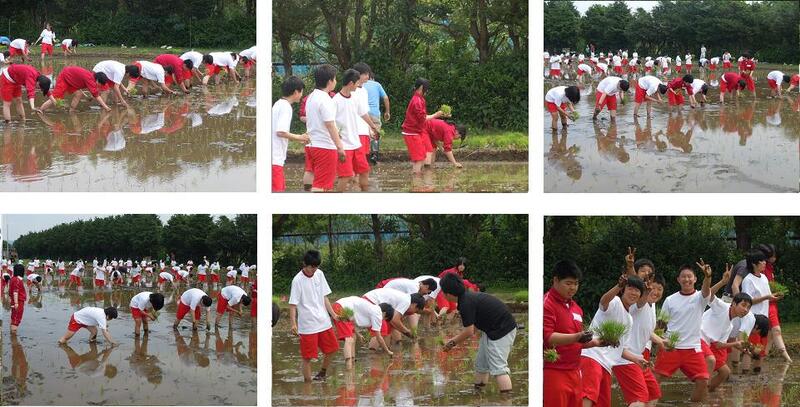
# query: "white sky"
x,y
582,6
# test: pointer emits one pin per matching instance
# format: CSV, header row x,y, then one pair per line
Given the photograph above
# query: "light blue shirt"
x,y
375,93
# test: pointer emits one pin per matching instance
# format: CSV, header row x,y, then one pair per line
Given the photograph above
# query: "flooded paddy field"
x,y
165,367
476,176
203,141
747,146
419,372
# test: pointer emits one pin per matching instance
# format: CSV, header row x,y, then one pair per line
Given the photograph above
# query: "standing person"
x,y
713,63
702,51
442,134
99,277
558,100
202,268
486,313
18,47
376,95
746,68
685,309
776,337
230,299
144,307
726,61
69,46
136,275
18,296
310,314
606,95
90,318
368,130
351,110
47,37
563,331
756,284
115,72
75,276
325,144
555,67
73,79
413,128
646,87
190,302
12,80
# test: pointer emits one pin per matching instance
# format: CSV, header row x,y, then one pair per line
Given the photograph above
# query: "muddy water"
x,y
204,141
419,373
750,146
476,176
777,385
163,368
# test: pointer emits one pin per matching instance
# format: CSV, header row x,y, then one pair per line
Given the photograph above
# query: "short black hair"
x,y
624,85
132,71
643,262
246,300
688,78
573,94
742,297
636,283
685,266
462,131
452,284
742,83
362,68
38,279
388,310
350,75
100,77
662,89
188,63
754,257
208,59
111,313
768,249
762,325
291,85
567,269
659,279
312,258
418,300
704,89
324,74
431,283
44,84
6,53
461,261
19,270
244,58
169,69
74,43
157,301
422,82
787,78
207,301
6,277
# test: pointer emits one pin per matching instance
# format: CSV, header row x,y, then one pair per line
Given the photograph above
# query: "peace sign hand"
x,y
630,258
706,268
726,276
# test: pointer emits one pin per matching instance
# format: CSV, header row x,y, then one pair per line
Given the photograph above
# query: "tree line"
x,y
182,237
496,247
767,29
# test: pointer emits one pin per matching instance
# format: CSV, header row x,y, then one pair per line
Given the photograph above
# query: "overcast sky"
x,y
582,6
15,226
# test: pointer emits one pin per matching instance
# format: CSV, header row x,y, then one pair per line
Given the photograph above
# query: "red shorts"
x,y
365,142
212,69
665,71
47,49
726,64
16,51
101,283
641,94
62,272
9,90
555,72
202,277
74,326
63,47
648,69
675,99
278,182
184,309
253,307
136,279
310,344
249,64
245,280
633,69
355,163
187,75
751,84
323,165
62,88
691,362
653,388
610,102
215,278
712,67
75,279
632,383
596,382
678,68
168,79
16,313
720,354
136,313
618,69
688,67
179,278
222,304
772,84
441,302
724,87
161,280
552,108
386,329
563,388
344,329
307,155
416,146
773,315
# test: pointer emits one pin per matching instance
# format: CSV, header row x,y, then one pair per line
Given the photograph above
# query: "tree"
x,y
561,25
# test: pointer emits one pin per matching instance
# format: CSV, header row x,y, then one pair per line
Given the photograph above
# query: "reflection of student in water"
x,y
745,120
563,157
190,354
145,365
19,364
676,137
645,138
90,363
608,145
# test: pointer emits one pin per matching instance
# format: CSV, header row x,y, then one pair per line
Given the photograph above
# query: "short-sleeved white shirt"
x,y
114,70
776,76
320,109
308,294
557,95
602,66
585,68
608,356
643,323
67,42
362,99
250,53
697,84
232,293
183,273
609,85
716,326
686,316
365,314
165,275
649,84
281,122
223,59
152,71
617,60
555,62
435,292
47,36
194,56
91,316
347,117
400,301
141,300
192,297
744,325
201,269
757,287
32,277
18,43
76,271
404,285
99,273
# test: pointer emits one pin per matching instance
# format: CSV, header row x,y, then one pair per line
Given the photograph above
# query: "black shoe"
x,y
373,158
320,376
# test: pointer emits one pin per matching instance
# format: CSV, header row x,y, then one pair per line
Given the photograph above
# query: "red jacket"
x,y
416,113
24,75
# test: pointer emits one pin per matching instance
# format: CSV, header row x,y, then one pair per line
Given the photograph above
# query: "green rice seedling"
x,y
521,296
672,340
276,299
440,340
778,288
662,316
551,355
610,332
414,330
347,312
446,109
659,332
575,115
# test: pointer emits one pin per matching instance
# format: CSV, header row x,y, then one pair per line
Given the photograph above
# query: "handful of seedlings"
x,y
610,332
551,355
440,340
778,289
672,340
575,115
347,313
662,319
446,109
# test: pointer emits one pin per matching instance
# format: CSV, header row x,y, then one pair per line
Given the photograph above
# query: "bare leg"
x,y
700,392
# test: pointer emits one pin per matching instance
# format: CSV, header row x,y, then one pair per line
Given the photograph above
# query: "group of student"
x,y
18,281
708,335
393,310
649,88
343,129
107,76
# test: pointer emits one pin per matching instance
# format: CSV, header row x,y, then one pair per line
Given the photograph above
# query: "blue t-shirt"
x,y
375,93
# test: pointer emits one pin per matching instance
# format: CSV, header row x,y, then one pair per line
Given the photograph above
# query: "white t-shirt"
x,y
400,301
757,287
18,43
91,316
76,271
32,277
249,53
688,59
281,122
99,273
195,57
60,265
308,294
602,66
686,316
714,61
697,85
362,100
320,109
633,62
716,326
404,285
435,292
201,269
776,76
113,69
165,275
141,301
67,42
232,293
609,356
555,62
609,86
744,324
585,68
557,96
365,314
617,60
232,273
678,60
649,84
347,117
192,297
183,273
152,71
649,63
643,324
224,59
47,36
135,271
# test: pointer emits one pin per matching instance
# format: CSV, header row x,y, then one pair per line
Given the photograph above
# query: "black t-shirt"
x,y
739,269
487,313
